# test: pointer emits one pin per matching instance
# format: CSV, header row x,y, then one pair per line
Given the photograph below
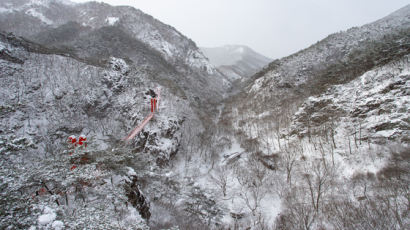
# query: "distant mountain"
x,y
236,61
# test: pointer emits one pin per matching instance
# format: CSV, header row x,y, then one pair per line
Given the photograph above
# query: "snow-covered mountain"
x,y
30,17
91,69
332,121
47,96
335,60
97,30
236,61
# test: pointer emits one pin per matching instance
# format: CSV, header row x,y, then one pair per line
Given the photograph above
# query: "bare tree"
x,y
289,156
298,214
252,179
318,182
221,178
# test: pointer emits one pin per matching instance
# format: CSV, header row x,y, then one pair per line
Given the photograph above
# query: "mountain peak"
x,y
236,61
231,54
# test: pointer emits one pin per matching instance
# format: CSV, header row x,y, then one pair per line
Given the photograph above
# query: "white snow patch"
x,y
367,164
39,2
4,10
131,172
233,151
385,133
47,2
112,20
134,220
240,50
57,225
67,2
48,216
166,144
272,207
257,85
39,15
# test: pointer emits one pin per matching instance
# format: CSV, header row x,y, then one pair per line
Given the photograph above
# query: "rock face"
x,y
137,198
235,61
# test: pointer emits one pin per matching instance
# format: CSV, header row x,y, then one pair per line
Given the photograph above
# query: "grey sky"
x,y
275,28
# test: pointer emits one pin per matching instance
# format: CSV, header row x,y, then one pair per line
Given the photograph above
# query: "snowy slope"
x,y
94,73
236,61
331,123
337,59
377,101
46,97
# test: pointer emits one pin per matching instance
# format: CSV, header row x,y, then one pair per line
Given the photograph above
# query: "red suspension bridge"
x,y
154,107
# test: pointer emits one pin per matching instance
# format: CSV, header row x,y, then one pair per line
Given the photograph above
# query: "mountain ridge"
x,y
164,38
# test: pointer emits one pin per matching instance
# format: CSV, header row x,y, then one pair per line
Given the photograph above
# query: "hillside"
x,y
332,121
47,97
91,69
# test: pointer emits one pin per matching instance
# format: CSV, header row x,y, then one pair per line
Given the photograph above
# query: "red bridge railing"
x,y
154,107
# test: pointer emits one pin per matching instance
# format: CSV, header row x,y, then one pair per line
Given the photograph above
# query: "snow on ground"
x,y
47,2
2,46
271,207
364,102
4,10
48,217
235,148
240,50
112,20
57,225
234,201
133,217
257,85
39,15
131,172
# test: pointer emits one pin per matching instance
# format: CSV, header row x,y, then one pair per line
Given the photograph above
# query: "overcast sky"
x,y
275,28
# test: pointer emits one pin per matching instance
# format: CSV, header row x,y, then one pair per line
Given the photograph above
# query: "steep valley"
x,y
315,140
